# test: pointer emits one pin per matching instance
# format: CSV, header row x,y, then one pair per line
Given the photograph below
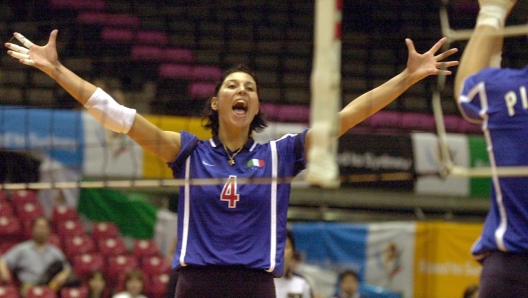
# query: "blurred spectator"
x,y
35,261
292,284
96,283
134,285
348,285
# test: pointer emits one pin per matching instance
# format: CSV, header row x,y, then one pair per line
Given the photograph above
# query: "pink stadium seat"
x,y
84,264
155,265
152,38
175,71
147,53
201,90
452,123
158,285
104,229
70,228
117,35
8,291
110,20
178,55
385,119
270,110
6,208
294,113
29,211
77,292
470,128
145,248
40,292
206,73
112,246
78,245
418,121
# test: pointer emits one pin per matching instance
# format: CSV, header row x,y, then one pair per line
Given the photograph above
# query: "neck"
x,y
233,142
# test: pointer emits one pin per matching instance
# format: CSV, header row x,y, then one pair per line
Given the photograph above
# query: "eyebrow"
x,y
237,81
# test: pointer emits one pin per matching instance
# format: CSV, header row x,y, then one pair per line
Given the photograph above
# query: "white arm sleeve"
x,y
109,113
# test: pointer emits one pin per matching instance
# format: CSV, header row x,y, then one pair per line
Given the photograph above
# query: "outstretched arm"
x,y
484,48
419,66
164,144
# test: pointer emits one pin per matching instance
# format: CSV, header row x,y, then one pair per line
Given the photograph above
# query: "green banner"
x,y
132,213
479,187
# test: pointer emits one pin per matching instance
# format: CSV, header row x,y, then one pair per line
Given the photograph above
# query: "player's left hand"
x,y
420,66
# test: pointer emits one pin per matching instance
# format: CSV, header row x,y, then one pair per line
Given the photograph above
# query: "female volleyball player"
x,y
231,236
496,97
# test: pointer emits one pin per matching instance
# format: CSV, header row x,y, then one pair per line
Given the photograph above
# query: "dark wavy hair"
x,y
210,116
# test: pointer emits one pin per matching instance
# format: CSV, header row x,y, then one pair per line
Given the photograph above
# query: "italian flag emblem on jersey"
x,y
256,163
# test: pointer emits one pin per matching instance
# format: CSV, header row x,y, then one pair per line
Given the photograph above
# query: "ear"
x,y
214,103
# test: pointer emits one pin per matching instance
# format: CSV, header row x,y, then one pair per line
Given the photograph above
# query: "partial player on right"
x,y
497,98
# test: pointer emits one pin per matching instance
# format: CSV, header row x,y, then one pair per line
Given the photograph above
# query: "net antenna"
x,y
322,169
447,167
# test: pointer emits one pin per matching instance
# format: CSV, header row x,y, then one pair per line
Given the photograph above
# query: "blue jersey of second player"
x,y
228,222
498,99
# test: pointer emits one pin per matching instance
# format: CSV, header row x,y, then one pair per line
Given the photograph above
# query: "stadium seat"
x,y
8,291
63,213
118,265
151,38
418,121
104,229
3,196
147,53
6,208
40,292
294,113
29,211
6,245
452,123
117,35
177,55
174,71
77,292
158,285
206,73
78,245
84,264
201,90
54,239
145,248
70,228
98,5
155,265
112,246
24,196
10,228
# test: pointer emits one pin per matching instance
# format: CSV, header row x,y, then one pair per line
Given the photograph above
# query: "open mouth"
x,y
240,107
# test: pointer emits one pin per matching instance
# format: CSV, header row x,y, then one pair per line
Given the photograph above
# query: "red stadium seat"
x,y
6,208
112,246
24,196
84,264
117,266
104,229
70,228
54,239
78,292
63,213
3,196
6,245
158,285
40,292
8,291
29,211
78,245
145,248
155,265
10,228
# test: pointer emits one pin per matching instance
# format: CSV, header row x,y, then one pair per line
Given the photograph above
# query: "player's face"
x,y
97,284
349,284
237,100
134,286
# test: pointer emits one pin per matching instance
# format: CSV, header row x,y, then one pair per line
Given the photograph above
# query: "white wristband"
x,y
109,113
492,15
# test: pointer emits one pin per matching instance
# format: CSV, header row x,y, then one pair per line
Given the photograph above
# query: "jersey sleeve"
x,y
469,99
188,143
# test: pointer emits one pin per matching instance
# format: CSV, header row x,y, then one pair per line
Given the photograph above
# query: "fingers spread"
x,y
18,55
26,42
17,48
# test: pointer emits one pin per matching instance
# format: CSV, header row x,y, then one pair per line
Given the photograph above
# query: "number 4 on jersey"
x,y
229,193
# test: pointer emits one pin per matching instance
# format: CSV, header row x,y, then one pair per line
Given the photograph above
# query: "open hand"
x,y
420,66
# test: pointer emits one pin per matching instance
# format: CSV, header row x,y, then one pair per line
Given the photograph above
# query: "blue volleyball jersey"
x,y
232,223
497,98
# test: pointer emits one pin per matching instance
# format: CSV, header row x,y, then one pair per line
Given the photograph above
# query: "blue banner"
x,y
57,133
